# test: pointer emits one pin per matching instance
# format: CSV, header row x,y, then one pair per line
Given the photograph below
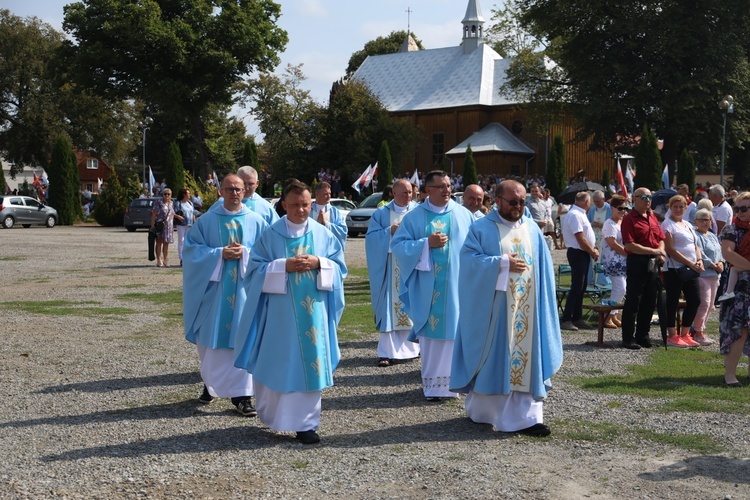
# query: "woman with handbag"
x,y
162,219
713,265
184,214
682,269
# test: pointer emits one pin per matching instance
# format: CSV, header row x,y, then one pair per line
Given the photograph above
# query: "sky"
x,y
323,34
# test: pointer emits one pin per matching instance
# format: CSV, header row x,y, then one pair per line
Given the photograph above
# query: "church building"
x,y
452,95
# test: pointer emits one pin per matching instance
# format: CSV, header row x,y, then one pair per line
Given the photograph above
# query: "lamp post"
x,y
727,106
144,126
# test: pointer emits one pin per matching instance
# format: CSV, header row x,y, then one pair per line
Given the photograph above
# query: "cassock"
x,y
213,295
390,317
334,221
508,345
429,286
287,334
260,206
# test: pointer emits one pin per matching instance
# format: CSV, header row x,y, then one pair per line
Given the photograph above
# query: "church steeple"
x,y
473,25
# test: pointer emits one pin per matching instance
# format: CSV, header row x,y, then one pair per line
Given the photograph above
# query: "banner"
x,y
621,179
415,179
372,174
151,182
665,176
360,179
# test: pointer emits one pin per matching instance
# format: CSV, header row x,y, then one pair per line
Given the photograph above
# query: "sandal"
x,y
384,362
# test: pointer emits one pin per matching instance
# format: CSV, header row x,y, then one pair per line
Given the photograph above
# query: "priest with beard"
x,y
508,345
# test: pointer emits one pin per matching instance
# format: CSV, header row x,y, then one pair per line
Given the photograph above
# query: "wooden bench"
x,y
604,312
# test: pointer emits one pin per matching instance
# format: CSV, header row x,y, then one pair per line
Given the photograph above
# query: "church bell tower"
x,y
473,26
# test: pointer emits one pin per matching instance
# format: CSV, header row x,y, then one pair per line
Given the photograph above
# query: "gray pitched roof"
x,y
494,138
436,78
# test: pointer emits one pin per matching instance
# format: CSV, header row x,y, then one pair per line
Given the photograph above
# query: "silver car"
x,y
25,211
358,220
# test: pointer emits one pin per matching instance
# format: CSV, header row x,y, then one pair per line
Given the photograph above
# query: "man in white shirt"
x,y
722,212
581,242
328,215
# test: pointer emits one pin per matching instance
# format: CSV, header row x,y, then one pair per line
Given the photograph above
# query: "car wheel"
x,y
50,222
353,234
26,225
131,229
8,222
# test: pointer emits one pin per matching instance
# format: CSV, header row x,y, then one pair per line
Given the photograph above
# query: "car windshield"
x,y
372,201
143,202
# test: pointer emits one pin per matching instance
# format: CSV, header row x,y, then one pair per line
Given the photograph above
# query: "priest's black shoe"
x,y
308,437
536,430
630,345
205,397
645,343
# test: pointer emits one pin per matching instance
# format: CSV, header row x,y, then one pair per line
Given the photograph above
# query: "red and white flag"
x,y
361,178
621,179
372,174
415,178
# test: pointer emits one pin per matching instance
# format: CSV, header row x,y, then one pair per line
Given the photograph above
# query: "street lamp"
x,y
727,106
144,126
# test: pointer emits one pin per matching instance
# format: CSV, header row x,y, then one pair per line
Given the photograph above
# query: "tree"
x,y
648,162
3,182
64,190
686,171
506,35
385,166
606,182
250,154
470,168
179,57
381,45
110,206
175,171
555,176
132,186
617,68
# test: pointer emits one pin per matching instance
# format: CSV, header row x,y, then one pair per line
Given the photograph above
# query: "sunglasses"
x,y
623,209
646,197
743,209
514,203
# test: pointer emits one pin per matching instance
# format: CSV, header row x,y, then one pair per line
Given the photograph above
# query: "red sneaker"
x,y
676,341
689,341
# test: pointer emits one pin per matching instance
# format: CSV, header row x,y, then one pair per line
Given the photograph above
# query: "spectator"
x,y
387,196
162,219
713,266
722,212
473,199
614,256
184,213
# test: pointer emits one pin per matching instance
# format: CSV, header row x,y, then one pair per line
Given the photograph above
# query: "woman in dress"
x,y
184,213
614,256
735,313
682,268
162,214
708,282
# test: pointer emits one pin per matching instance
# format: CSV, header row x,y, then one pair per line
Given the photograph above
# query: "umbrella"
x,y
661,309
661,197
568,195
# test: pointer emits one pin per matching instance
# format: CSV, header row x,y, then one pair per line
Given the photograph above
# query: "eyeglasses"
x,y
703,220
514,203
743,209
623,209
233,190
646,197
442,188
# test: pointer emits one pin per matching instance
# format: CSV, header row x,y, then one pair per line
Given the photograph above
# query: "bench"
x,y
604,311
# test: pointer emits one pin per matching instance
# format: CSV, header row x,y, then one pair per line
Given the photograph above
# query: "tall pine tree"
x,y
556,176
175,173
385,166
110,206
64,186
470,168
686,171
648,165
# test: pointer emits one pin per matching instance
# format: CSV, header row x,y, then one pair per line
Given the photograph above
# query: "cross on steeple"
x,y
408,20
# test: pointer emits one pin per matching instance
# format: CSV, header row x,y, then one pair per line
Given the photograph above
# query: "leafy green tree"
x,y
606,181
385,166
686,171
648,162
250,154
506,35
470,168
2,181
738,161
381,45
619,67
180,57
556,173
110,206
64,190
132,186
175,171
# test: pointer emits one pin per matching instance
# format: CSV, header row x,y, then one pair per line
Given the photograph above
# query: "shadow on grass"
x,y
120,384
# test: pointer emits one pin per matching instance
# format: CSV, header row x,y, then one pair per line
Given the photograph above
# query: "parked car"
x,y
358,220
138,213
345,206
26,211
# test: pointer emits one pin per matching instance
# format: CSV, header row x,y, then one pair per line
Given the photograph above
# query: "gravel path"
x,y
100,402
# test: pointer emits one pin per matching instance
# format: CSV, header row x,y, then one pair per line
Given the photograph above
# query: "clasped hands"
x,y
233,251
437,240
302,263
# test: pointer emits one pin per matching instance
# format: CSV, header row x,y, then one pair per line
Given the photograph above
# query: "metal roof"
x,y
436,78
494,138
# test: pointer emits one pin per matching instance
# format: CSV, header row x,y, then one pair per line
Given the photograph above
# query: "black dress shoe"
x,y
630,345
645,343
733,384
536,430
308,437
205,397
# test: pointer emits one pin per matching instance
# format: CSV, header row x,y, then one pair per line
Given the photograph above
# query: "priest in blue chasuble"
x,y
287,335
215,260
508,345
426,245
252,199
391,319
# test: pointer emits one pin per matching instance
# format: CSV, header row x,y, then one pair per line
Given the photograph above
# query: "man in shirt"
x,y
253,200
390,318
722,211
508,345
581,242
643,239
215,259
287,334
537,206
473,198
328,215
427,246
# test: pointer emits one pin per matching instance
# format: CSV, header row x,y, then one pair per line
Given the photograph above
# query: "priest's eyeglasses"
x,y
514,203
233,190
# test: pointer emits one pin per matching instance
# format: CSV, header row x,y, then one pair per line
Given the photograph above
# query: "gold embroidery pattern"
x,y
234,273
520,293
438,225
437,269
298,277
312,334
232,299
433,322
317,365
435,295
309,304
402,319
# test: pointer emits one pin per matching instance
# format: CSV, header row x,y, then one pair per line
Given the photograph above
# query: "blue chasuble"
x,y
436,324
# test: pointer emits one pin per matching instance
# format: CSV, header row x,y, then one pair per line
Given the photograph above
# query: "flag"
x,y
630,176
99,183
415,178
621,179
45,179
37,182
216,179
665,176
361,178
372,174
151,182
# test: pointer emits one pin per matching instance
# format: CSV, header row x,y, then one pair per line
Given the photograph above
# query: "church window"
x,y
438,148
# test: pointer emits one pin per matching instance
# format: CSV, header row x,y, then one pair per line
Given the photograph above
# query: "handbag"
x,y
686,274
159,226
